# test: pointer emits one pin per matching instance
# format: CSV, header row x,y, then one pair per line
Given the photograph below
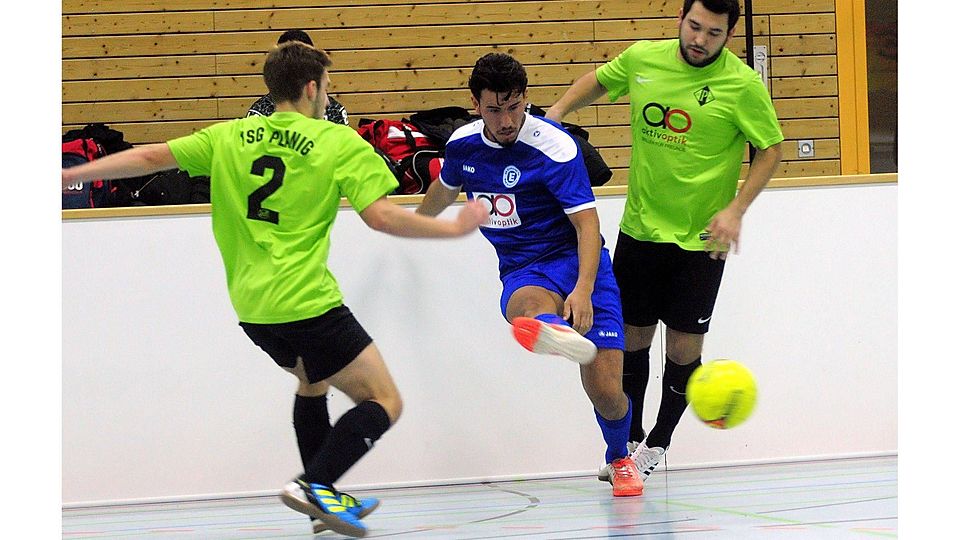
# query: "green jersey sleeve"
x,y
194,152
615,74
756,117
362,175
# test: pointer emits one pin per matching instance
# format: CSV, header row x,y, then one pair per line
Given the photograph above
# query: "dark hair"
x,y
729,7
289,68
498,72
295,35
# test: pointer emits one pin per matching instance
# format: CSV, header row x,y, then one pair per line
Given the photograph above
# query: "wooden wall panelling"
x,y
579,51
803,66
142,111
131,24
787,169
789,6
340,38
72,7
158,69
817,107
417,15
344,61
140,67
619,157
153,132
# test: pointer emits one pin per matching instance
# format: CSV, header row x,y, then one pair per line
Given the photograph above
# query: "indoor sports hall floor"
x,y
835,499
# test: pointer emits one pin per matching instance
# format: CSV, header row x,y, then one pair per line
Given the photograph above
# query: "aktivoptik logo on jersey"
x,y
502,208
667,126
664,116
511,175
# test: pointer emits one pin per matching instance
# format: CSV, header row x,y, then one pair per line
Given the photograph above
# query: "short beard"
x,y
494,138
705,62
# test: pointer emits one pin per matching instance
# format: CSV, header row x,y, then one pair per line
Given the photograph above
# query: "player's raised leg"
x,y
532,311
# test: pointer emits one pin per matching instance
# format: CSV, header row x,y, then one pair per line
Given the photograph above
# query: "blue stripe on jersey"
x,y
529,187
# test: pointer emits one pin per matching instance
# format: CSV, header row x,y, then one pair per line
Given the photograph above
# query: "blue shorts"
x,y
559,274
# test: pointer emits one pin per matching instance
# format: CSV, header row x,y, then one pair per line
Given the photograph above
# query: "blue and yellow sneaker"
x,y
326,504
358,507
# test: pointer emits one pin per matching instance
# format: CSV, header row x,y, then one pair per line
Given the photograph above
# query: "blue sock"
x,y
616,433
551,318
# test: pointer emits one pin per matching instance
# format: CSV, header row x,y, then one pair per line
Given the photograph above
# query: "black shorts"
x,y
326,343
664,282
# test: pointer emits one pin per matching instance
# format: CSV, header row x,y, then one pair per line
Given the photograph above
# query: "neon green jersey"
x,y
689,128
275,187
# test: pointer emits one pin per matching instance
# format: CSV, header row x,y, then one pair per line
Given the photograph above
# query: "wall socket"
x,y
805,148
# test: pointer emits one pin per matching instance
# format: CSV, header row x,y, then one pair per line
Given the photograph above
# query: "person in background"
x,y
335,111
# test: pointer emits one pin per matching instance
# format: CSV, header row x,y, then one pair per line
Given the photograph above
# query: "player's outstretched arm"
x,y
583,92
437,198
130,163
386,217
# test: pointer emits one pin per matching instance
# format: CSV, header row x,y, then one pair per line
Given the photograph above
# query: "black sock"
x,y
348,441
311,422
672,403
636,372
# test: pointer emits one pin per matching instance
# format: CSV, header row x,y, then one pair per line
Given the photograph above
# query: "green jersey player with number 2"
x,y
275,187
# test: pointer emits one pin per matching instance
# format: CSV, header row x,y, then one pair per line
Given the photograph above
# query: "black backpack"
x,y
597,168
173,186
162,188
110,140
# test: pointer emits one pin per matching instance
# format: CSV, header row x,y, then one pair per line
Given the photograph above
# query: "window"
x,y
881,30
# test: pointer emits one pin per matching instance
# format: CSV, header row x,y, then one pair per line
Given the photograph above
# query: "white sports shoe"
x,y
647,458
604,474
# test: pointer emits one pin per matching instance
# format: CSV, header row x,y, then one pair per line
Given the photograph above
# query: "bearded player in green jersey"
x,y
275,188
693,105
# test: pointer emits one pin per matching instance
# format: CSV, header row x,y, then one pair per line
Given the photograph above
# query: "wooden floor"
x,y
835,499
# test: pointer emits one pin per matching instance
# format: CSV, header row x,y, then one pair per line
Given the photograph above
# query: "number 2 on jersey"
x,y
255,209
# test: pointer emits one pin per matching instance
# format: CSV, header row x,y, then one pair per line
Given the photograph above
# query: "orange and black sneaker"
x,y
546,338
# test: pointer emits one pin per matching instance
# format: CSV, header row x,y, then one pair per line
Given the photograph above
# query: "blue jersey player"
x,y
559,291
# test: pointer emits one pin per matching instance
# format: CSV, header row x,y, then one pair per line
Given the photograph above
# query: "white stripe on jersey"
x,y
553,142
584,206
466,130
446,185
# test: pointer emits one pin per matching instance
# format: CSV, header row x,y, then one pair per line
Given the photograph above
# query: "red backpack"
x,y
91,194
414,158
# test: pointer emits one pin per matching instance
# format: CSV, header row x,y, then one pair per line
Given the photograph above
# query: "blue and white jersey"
x,y
529,188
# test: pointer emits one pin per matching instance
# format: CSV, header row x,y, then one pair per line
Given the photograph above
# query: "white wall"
x,y
164,397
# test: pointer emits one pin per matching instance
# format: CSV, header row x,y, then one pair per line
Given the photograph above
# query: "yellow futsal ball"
x,y
722,393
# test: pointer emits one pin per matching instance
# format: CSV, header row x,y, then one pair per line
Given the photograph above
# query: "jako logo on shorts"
x,y
511,175
502,208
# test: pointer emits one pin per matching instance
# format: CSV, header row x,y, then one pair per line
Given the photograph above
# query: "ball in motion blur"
x,y
722,393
